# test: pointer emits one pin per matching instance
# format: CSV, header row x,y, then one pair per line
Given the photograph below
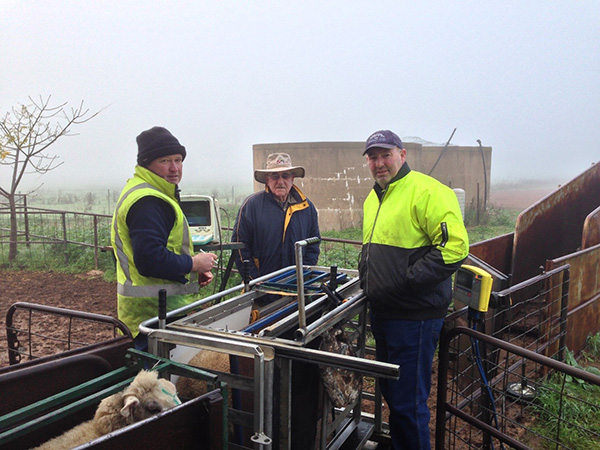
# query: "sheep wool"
x,y
208,360
146,396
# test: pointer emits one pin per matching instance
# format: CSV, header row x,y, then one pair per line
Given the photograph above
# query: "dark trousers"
x,y
411,344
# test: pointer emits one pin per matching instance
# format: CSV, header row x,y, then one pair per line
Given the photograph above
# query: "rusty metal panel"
x,y
553,227
497,252
585,276
583,314
581,323
591,229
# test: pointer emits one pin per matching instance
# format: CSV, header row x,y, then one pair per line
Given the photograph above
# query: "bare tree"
x,y
26,133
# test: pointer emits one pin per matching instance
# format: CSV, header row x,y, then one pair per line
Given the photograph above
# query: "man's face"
x,y
384,163
169,167
280,184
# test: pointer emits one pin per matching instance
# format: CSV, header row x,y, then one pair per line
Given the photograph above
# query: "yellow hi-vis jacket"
x,y
137,294
414,239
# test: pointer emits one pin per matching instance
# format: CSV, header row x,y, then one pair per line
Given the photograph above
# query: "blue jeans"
x,y
141,342
411,344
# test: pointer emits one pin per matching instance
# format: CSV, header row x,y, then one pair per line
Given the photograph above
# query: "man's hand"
x,y
203,262
205,278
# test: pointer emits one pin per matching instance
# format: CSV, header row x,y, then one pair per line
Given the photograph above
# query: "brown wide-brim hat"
x,y
278,162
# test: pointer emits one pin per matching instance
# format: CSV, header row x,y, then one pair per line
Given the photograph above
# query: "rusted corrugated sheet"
x,y
562,228
553,226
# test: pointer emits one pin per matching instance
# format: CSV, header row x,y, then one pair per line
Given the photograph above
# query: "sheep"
x,y
144,397
209,361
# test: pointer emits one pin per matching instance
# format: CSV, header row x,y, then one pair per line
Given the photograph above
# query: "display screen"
x,y
464,279
197,212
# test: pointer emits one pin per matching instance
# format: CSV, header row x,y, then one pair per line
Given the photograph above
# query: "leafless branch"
x,y
28,131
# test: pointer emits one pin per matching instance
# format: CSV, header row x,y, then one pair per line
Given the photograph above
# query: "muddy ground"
x,y
81,292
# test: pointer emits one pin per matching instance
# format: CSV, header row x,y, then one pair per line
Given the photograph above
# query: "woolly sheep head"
x,y
144,397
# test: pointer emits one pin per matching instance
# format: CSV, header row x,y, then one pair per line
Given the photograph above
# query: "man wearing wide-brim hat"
x,y
269,222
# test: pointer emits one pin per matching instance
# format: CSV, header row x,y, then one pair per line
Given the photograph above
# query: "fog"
x,y
521,76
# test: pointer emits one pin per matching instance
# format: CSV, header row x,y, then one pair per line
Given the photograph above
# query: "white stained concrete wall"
x,y
338,180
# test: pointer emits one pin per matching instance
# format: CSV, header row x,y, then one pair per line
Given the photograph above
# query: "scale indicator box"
x,y
473,286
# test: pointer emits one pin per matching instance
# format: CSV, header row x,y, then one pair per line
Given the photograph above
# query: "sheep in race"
x,y
146,396
211,362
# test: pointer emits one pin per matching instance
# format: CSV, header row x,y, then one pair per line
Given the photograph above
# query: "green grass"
x,y
593,346
568,409
54,257
495,222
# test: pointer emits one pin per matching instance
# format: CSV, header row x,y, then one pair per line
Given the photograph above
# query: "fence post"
x,y
26,219
64,226
564,307
96,241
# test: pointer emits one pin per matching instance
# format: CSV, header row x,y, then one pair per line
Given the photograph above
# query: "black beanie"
x,y
155,143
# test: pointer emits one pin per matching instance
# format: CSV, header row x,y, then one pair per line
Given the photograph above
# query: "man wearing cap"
x,y
414,239
151,238
271,221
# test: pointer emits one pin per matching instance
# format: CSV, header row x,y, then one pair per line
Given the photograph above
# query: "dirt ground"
x,y
83,292
518,199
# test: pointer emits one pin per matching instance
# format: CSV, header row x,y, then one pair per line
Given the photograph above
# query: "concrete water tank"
x,y
460,195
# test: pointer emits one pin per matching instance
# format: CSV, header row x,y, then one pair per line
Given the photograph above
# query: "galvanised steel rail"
x,y
14,354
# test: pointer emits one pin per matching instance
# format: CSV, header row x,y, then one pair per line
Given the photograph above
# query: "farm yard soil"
x,y
81,292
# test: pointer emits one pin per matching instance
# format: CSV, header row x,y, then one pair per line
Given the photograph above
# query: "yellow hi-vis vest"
x,y
138,295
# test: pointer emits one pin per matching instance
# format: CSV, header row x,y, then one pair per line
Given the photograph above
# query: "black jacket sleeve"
x,y
150,221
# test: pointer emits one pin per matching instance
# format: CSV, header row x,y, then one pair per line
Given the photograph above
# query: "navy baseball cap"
x,y
383,139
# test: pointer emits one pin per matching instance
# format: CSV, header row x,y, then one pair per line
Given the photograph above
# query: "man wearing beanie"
x,y
151,238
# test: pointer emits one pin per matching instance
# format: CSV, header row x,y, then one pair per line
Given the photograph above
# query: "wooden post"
x,y
96,241
64,226
26,219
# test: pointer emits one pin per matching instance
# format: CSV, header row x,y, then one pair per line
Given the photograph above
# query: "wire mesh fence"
x,y
514,389
47,237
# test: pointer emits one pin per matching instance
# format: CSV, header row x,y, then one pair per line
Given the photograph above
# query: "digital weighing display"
x,y
473,286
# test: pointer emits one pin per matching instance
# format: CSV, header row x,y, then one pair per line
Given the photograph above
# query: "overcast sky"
x,y
521,76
